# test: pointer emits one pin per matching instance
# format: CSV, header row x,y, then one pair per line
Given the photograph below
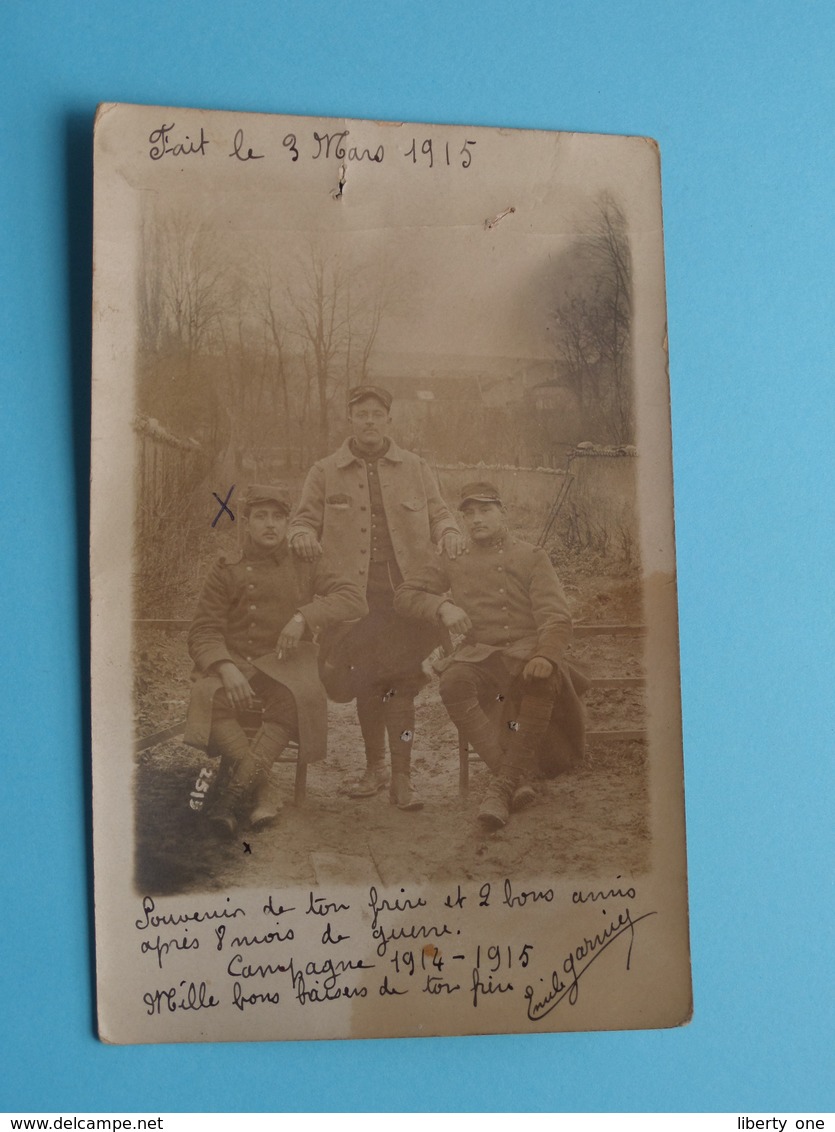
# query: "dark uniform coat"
x,y
245,604
511,593
509,590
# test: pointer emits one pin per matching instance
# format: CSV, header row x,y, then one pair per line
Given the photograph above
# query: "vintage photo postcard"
x,y
386,718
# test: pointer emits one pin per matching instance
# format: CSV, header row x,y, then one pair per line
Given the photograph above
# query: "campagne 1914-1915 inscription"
x,y
261,960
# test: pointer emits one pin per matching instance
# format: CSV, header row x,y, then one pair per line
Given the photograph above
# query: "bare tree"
x,y
151,315
593,326
275,328
321,325
337,313
251,361
184,290
364,318
246,391
189,277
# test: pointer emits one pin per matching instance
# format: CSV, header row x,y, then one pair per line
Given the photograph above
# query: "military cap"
x,y
479,492
360,392
277,493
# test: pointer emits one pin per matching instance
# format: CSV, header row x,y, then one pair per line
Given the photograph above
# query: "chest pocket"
x,y
414,504
340,502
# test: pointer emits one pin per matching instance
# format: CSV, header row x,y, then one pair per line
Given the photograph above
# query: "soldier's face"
x,y
267,525
368,420
483,521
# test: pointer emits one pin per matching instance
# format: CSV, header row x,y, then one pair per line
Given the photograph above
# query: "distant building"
x,y
513,411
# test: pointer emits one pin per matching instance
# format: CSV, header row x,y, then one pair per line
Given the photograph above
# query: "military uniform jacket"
x,y
244,605
509,590
336,507
512,595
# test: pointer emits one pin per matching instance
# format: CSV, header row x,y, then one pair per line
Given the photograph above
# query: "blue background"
x,y
740,97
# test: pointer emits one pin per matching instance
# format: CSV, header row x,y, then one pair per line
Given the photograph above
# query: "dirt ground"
x,y
590,821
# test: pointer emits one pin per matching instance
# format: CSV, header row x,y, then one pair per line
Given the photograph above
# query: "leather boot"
x,y
374,779
400,726
494,811
223,819
223,815
401,793
523,796
266,804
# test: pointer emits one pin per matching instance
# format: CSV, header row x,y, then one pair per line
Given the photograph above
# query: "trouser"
x,y
390,713
279,721
466,689
387,670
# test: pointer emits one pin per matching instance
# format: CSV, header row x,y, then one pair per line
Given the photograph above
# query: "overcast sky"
x,y
454,286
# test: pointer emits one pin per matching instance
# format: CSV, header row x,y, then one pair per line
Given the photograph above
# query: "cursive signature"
x,y
584,953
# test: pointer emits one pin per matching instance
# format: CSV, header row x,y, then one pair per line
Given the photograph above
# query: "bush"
x,y
171,546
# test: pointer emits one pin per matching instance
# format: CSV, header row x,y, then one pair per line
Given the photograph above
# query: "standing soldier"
x,y
376,510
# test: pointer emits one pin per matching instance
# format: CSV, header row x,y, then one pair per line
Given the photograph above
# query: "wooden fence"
x,y
167,467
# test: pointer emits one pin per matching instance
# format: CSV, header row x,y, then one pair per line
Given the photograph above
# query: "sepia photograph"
x,y
384,626
485,350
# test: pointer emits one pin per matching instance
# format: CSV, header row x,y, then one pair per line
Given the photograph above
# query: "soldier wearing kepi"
x,y
505,599
253,616
376,510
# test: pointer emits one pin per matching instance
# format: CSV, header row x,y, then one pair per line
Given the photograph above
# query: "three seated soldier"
x,y
246,641
504,598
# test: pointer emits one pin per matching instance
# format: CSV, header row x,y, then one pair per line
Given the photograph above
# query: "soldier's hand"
x,y
452,544
537,668
306,545
236,685
289,639
455,619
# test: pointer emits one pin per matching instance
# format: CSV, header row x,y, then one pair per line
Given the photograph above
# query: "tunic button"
x,y
362,570
501,590
249,568
251,586
363,507
252,624
363,550
500,568
363,530
253,607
